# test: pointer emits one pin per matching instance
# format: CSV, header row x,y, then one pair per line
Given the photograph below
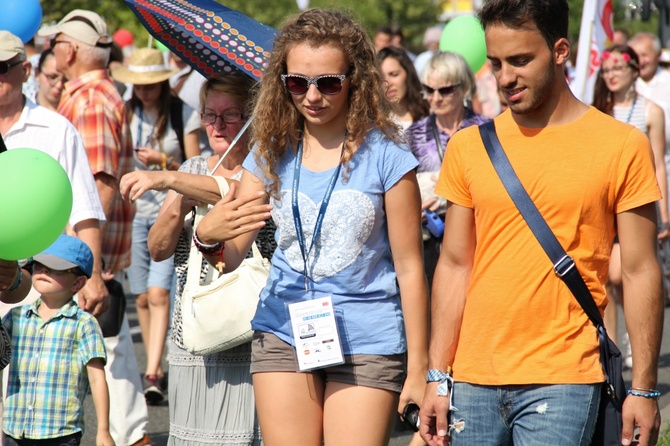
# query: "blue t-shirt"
x,y
351,259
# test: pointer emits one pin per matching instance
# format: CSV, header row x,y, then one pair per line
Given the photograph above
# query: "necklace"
x,y
632,107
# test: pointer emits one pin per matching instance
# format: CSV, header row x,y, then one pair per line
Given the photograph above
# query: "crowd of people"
x,y
364,181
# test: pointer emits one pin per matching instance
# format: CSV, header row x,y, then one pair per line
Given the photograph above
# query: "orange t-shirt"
x,y
521,324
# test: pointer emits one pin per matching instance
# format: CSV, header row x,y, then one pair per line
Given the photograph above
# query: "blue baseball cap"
x,y
67,252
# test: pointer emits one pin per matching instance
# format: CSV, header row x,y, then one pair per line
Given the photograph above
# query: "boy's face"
x,y
50,281
523,65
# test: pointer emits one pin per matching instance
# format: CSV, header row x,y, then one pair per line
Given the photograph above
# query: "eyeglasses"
x,y
442,91
40,268
53,78
229,117
6,66
615,69
328,84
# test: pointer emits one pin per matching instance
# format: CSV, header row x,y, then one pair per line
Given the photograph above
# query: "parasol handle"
x,y
232,144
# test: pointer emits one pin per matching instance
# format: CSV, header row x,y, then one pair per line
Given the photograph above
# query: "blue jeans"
x,y
524,415
143,272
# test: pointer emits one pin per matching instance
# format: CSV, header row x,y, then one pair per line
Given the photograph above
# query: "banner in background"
x,y
595,35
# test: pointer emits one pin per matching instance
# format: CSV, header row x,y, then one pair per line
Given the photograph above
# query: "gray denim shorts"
x,y
387,372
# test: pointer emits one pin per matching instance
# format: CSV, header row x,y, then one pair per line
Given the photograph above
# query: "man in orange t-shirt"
x,y
523,354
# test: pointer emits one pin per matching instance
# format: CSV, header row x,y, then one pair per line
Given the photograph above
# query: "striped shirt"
x,y
47,378
92,103
635,114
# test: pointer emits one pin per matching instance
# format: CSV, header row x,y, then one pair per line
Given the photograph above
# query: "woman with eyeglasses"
x,y
211,397
49,80
448,86
336,351
165,132
615,95
403,87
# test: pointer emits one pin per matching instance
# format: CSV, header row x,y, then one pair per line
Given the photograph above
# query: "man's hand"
x,y
434,426
8,272
94,297
644,414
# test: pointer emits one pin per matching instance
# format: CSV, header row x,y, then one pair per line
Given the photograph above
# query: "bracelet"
x,y
17,282
210,250
445,380
645,393
163,161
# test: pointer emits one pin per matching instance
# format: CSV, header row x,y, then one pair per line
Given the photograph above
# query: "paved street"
x,y
158,415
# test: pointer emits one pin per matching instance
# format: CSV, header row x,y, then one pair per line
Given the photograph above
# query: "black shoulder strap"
x,y
177,122
564,265
3,147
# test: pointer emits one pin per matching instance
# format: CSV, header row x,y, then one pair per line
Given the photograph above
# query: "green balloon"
x,y
35,203
161,46
464,35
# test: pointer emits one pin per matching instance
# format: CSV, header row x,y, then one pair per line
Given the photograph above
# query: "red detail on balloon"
x,y
198,33
257,73
215,44
248,66
187,53
195,59
180,48
189,27
206,39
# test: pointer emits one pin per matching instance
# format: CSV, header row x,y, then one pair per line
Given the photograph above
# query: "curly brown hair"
x,y
278,124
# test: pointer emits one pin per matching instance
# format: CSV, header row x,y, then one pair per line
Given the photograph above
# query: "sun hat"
x,y
10,46
82,25
145,66
65,253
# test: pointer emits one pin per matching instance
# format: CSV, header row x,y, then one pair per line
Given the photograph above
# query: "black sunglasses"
x,y
6,66
443,91
328,84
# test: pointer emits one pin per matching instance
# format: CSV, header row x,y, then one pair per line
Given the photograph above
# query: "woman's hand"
x,y
134,184
148,156
231,217
412,390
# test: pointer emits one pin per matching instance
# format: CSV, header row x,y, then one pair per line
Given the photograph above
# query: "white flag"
x,y
594,36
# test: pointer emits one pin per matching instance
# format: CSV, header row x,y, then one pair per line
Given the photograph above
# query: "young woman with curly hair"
x,y
344,196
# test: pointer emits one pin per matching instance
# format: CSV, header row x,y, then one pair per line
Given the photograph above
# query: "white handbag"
x,y
217,313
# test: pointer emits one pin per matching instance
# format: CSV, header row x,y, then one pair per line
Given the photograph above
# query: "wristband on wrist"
x,y
210,250
17,282
644,393
163,161
446,382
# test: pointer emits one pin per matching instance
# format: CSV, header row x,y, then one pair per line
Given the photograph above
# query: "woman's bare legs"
x,y
298,409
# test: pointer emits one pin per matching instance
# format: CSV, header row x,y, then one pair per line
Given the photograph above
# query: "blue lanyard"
x,y
322,210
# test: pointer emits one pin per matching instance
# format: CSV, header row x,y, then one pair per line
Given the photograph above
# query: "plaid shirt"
x,y
47,377
92,103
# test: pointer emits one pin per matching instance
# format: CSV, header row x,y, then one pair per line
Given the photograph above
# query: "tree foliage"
x,y
413,16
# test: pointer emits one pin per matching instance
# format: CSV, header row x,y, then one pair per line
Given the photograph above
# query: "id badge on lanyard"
x,y
315,334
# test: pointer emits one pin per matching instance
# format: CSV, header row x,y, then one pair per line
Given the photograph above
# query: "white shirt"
x,y
657,90
45,130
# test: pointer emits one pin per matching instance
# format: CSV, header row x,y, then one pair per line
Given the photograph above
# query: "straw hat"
x,y
145,66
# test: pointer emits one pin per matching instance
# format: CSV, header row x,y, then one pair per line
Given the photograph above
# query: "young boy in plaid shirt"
x,y
57,352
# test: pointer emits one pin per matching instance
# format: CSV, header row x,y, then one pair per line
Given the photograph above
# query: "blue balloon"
x,y
21,18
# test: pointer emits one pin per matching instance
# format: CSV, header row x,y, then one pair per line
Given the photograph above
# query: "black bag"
x,y
110,321
609,423
5,347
